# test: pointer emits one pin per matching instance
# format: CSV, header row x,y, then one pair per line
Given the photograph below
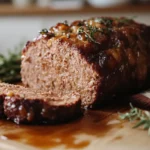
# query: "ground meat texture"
x,y
25,105
97,58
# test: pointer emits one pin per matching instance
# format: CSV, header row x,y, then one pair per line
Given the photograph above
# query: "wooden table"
x,y
8,10
97,129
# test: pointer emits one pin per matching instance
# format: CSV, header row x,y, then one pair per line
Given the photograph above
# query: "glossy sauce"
x,y
76,135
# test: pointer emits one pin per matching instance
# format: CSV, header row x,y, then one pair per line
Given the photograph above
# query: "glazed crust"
x,y
1,106
40,112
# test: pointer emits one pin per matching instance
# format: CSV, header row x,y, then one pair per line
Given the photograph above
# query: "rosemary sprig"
x,y
10,66
142,117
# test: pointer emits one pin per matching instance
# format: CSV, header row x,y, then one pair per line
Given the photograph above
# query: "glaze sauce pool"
x,y
74,135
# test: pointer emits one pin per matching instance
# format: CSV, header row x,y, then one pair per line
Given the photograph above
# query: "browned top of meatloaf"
x,y
98,33
94,36
31,94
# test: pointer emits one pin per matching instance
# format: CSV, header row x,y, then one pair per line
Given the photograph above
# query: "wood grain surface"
x,y
9,10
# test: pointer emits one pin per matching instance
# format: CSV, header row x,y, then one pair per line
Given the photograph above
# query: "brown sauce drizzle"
x,y
94,123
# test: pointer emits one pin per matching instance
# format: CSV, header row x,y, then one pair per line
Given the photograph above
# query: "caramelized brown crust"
x,y
117,48
24,105
1,106
40,112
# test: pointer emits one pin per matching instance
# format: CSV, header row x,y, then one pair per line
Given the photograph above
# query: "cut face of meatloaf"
x,y
97,58
24,105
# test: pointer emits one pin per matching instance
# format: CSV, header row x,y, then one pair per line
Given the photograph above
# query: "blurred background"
x,y
20,20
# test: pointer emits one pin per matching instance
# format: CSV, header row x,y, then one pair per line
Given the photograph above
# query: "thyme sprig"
x,y
106,21
90,32
123,20
141,116
10,66
44,31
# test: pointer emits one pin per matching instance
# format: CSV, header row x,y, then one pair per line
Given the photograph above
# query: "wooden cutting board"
x,y
97,129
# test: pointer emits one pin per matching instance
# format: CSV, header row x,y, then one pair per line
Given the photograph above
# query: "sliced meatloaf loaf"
x,y
97,58
24,105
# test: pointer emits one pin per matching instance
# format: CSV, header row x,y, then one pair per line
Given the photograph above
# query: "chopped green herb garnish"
x,y
65,22
125,20
47,33
90,31
106,21
44,31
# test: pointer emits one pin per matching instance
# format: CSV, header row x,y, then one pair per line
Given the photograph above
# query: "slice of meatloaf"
x,y
97,58
25,105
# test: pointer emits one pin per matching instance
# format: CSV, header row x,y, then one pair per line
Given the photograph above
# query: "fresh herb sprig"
x,y
44,31
126,21
141,116
89,33
106,21
10,66
90,30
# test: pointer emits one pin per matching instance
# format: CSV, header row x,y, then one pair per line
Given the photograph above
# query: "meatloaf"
x,y
97,58
25,105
